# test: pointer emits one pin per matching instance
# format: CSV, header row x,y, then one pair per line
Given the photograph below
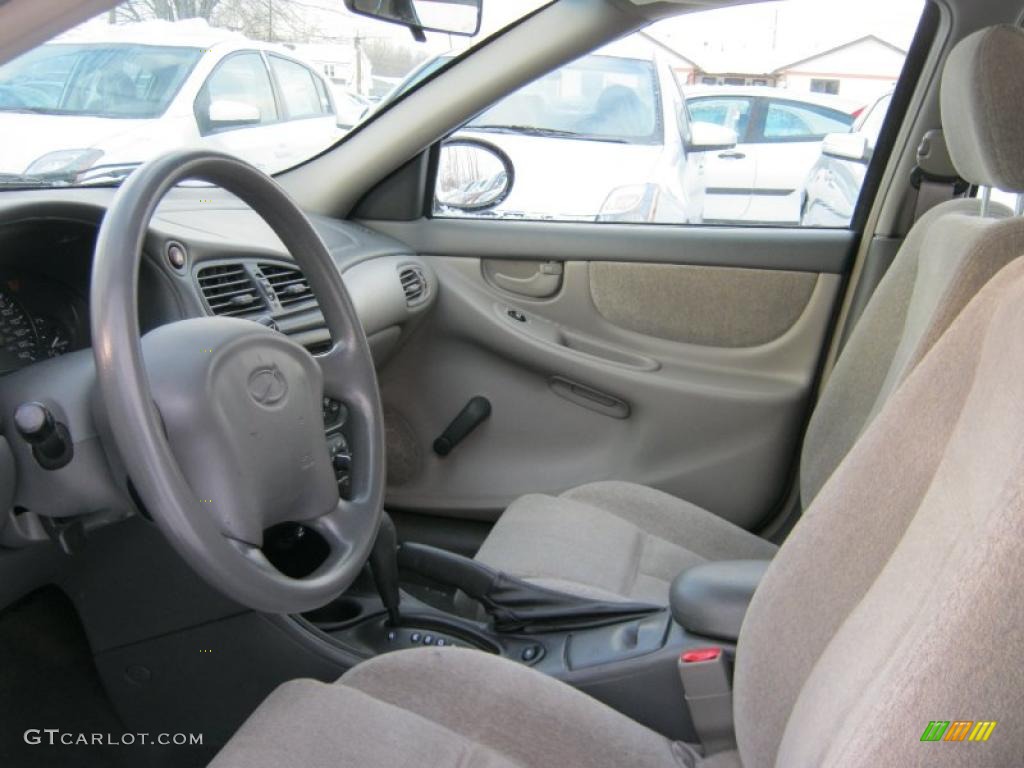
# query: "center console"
x,y
625,654
628,664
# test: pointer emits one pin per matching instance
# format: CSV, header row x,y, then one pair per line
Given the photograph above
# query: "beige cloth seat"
x,y
442,707
894,602
612,540
622,540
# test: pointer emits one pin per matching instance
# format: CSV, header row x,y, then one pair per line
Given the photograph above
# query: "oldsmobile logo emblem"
x,y
267,386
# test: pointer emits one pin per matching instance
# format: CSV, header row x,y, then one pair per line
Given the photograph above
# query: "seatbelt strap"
x,y
931,193
708,693
934,176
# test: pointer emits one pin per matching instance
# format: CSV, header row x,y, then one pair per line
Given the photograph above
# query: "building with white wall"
x,y
859,70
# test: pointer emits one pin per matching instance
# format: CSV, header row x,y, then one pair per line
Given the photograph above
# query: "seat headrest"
x,y
983,107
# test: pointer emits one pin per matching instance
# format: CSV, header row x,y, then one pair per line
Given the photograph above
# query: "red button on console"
x,y
700,654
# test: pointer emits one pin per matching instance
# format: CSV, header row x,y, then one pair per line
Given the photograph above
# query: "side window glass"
x,y
298,89
716,117
788,120
325,100
730,113
597,98
829,85
241,86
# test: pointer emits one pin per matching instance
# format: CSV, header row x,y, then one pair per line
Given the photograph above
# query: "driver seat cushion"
x,y
444,707
612,540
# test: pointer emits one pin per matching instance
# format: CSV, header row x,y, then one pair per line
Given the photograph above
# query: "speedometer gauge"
x,y
19,344
54,338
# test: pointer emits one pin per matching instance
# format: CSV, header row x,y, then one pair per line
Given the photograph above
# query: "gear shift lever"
x,y
384,566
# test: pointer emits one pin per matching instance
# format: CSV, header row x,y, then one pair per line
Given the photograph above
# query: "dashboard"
x,y
199,259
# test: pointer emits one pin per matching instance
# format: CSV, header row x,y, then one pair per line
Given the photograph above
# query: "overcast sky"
x,y
797,27
793,28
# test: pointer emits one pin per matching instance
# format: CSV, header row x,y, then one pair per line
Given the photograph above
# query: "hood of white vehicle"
x,y
27,137
568,178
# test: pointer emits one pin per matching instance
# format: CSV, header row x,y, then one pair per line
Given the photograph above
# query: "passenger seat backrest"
x,y
892,332
946,258
895,600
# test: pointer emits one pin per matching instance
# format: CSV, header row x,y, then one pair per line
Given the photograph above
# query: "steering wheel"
x,y
218,420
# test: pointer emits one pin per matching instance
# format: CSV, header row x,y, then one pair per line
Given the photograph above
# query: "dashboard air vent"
x,y
229,290
414,284
288,284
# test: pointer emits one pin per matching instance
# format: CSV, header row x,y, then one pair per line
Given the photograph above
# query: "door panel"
x,y
782,169
701,305
604,380
799,250
533,279
729,175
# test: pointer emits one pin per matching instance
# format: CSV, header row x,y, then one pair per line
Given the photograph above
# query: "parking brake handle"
x,y
515,605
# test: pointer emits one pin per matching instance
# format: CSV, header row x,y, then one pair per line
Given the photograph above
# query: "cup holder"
x,y
336,613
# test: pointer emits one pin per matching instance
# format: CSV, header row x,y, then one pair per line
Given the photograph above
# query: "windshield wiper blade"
x,y
31,110
529,130
26,180
557,133
113,173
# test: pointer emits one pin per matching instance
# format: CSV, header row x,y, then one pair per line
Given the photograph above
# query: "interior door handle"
x,y
544,282
732,155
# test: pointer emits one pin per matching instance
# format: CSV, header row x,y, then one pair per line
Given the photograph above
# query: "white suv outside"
x,y
95,103
605,138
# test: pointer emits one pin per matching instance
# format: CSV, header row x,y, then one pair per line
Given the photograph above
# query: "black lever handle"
x,y
472,416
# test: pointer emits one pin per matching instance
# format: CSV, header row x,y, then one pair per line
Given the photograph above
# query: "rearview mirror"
x,y
453,17
225,113
847,146
710,137
472,176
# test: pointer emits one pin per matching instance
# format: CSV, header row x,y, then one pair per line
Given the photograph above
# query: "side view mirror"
x,y
847,146
225,113
453,17
710,137
472,176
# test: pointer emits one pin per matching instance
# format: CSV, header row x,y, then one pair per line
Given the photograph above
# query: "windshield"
x,y
603,98
274,82
100,80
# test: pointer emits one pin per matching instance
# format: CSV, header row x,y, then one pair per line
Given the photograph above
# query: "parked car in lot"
x,y
351,107
779,138
604,138
833,184
91,105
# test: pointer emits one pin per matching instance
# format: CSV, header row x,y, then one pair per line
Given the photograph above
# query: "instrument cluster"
x,y
39,319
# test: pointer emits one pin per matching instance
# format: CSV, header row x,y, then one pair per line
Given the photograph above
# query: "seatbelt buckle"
x,y
708,693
